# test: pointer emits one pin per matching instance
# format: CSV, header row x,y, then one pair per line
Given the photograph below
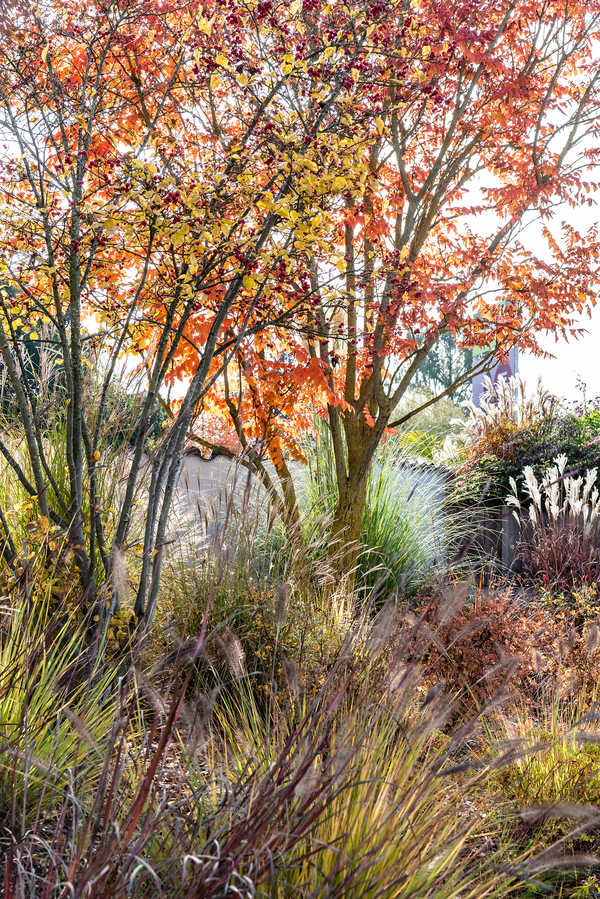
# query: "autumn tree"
x,y
473,124
160,192
292,201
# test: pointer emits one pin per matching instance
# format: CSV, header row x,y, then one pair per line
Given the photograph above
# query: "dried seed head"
x,y
308,782
78,724
404,677
591,637
232,651
383,628
292,676
200,718
452,600
342,758
156,700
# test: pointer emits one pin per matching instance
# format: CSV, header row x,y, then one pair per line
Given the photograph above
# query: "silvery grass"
x,y
505,404
508,400
560,525
558,496
408,532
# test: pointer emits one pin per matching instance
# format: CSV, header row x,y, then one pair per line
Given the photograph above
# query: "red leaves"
x,y
312,375
432,132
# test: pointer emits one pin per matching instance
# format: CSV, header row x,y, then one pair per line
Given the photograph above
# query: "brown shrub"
x,y
495,639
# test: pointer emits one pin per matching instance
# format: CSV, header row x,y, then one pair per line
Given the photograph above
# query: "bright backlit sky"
x,y
577,357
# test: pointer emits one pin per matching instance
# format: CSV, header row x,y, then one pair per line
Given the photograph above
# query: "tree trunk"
x,y
291,521
346,529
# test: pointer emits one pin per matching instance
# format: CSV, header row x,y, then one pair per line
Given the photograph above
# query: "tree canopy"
x,y
469,124
285,206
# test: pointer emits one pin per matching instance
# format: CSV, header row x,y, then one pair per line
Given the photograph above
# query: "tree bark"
x,y
346,529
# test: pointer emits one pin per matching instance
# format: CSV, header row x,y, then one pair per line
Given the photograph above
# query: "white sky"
x,y
576,358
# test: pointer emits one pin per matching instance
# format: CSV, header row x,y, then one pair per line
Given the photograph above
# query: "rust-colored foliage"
x,y
500,641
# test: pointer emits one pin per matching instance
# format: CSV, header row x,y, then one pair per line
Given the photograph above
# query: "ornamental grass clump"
x,y
560,526
407,530
506,409
506,406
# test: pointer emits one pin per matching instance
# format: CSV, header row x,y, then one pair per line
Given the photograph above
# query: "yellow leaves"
x,y
340,264
243,80
404,253
380,125
110,225
95,456
248,282
266,203
339,183
44,53
221,61
286,213
287,65
205,25
306,163
295,7
43,524
425,52
178,238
